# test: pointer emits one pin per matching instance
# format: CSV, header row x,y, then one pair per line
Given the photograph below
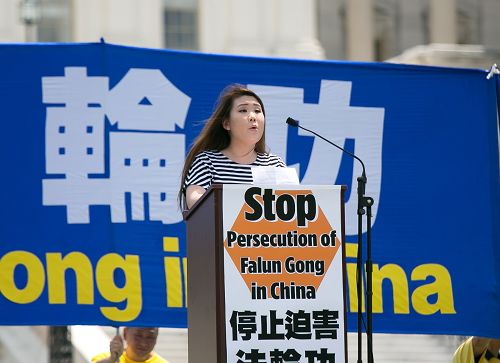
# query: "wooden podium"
x,y
208,255
206,333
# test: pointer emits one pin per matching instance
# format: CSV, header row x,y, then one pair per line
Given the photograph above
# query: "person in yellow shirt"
x,y
140,343
478,350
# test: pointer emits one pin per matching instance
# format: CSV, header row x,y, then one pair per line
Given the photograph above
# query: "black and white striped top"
x,y
213,167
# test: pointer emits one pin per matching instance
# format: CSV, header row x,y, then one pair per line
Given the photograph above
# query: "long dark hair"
x,y
214,136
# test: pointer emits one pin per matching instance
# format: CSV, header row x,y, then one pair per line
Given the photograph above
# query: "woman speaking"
x,y
230,144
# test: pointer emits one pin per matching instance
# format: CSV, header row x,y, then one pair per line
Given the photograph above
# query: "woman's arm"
x,y
193,193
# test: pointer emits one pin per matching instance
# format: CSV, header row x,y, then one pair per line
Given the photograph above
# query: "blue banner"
x,y
92,145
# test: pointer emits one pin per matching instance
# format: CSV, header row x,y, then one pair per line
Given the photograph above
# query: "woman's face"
x,y
246,121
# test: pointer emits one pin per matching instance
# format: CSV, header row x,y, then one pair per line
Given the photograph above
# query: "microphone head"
x,y
292,122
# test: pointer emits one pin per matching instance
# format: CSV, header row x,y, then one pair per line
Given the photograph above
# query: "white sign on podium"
x,y
283,273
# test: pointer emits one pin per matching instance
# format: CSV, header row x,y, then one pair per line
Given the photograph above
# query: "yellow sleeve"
x,y
99,357
464,353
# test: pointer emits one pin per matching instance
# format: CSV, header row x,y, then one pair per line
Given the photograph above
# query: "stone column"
x,y
443,21
360,31
490,26
12,29
296,27
213,23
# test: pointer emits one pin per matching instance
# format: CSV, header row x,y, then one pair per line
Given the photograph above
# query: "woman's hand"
x,y
193,193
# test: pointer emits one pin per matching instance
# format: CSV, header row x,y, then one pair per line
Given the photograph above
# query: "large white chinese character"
x,y
146,100
336,120
145,165
74,132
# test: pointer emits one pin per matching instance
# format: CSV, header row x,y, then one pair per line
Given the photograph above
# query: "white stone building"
x,y
361,30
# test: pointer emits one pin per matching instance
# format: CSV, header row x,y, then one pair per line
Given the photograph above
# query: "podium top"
x,y
186,213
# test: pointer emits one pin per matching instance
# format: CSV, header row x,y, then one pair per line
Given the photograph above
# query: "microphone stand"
x,y
363,202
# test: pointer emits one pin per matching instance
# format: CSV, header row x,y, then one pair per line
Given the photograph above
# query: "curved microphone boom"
x,y
363,202
294,123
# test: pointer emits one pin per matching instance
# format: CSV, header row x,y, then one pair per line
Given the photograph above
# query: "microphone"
x,y
294,123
